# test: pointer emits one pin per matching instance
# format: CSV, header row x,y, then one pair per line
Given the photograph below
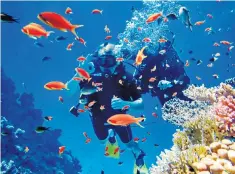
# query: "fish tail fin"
x,y
85,44
140,119
49,32
75,27
66,86
190,26
139,124
101,11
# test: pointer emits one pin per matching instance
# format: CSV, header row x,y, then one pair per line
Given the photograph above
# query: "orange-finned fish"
x,y
69,47
125,107
68,11
136,139
140,57
57,21
77,79
187,63
216,76
154,114
97,11
225,42
208,29
124,120
35,31
61,99
154,69
216,44
198,78
200,22
91,103
81,59
102,107
174,94
153,17
162,40
143,140
81,110
55,85
81,40
152,79
120,59
26,149
61,150
83,73
116,150
146,39
209,16
108,37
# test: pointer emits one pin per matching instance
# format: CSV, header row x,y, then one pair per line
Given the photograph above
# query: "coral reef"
x,y
22,149
200,148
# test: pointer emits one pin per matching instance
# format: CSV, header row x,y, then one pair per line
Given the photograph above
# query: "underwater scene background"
x,y
189,93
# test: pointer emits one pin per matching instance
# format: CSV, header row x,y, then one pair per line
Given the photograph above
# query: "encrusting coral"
x,y
202,147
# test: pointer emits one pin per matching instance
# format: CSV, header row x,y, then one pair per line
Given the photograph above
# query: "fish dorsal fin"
x,y
37,25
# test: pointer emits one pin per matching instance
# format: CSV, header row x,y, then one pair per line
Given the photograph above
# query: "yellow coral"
x,y
180,139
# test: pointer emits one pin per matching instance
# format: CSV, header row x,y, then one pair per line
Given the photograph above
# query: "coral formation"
x,y
22,149
200,148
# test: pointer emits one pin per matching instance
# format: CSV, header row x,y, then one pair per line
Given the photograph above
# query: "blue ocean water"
x,y
22,62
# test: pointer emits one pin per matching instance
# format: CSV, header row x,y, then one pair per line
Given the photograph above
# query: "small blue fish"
x,y
46,58
38,44
60,38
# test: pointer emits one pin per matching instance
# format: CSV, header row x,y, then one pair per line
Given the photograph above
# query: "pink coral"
x,y
225,114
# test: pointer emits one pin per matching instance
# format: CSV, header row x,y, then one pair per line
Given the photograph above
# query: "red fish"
x,y
91,103
153,17
200,22
97,11
88,140
162,40
77,79
225,42
55,85
61,150
69,47
125,107
154,114
68,11
81,110
136,139
146,39
116,150
108,37
57,21
83,73
140,57
143,140
81,40
35,31
61,99
120,59
216,44
81,59
209,16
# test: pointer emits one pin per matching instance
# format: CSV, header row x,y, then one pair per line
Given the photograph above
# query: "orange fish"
x,y
125,107
187,63
91,103
152,79
139,28
55,85
61,99
216,44
124,120
198,78
35,31
81,59
126,40
83,73
81,110
102,107
153,17
154,114
81,40
136,139
96,11
200,22
146,39
88,140
69,47
143,140
108,37
174,94
208,29
162,40
225,42
61,150
77,79
68,11
116,150
140,57
120,59
57,21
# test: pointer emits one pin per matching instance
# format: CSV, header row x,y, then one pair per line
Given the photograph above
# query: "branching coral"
x,y
210,95
225,115
179,111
